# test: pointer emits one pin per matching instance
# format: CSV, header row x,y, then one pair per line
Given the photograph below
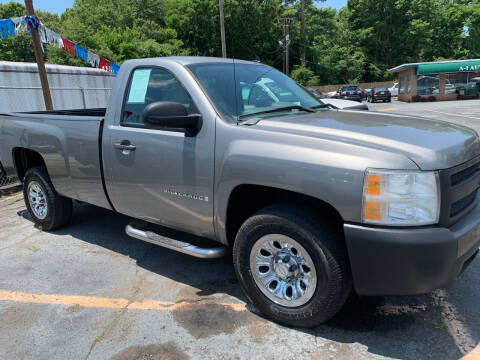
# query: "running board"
x,y
180,246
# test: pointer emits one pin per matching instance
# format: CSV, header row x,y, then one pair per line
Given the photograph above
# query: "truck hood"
x,y
431,144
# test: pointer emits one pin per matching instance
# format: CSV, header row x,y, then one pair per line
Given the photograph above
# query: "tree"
x,y
356,44
304,76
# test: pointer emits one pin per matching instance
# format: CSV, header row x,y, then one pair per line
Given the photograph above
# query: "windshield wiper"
x,y
324,106
285,108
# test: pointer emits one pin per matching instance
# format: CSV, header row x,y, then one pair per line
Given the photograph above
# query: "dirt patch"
x,y
218,288
259,329
73,308
204,320
16,322
166,351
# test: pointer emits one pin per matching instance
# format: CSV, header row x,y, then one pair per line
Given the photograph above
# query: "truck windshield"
x,y
239,90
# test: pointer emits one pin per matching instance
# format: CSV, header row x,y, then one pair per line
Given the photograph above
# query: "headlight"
x,y
401,198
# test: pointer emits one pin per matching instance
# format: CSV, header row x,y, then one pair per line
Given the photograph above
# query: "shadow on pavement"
x,y
410,327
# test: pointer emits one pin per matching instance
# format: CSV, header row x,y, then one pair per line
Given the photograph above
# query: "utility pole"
x,y
286,42
222,29
303,55
39,57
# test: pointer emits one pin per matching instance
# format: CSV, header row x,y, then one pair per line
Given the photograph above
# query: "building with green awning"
x,y
440,80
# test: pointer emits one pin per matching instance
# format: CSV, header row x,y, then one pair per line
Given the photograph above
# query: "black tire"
x,y
325,245
59,208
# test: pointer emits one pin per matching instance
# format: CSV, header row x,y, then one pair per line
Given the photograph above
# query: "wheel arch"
x,y
24,159
246,199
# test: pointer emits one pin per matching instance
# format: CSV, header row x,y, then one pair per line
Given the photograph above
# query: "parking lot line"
x,y
100,302
473,355
386,109
450,114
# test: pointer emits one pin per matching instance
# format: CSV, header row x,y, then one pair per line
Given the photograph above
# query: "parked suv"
x,y
379,94
351,92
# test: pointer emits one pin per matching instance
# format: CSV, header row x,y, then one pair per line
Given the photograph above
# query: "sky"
x,y
59,6
337,4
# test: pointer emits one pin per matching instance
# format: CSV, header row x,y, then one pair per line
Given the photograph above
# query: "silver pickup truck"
x,y
315,202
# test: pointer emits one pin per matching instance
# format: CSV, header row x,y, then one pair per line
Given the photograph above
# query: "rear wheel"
x,y
292,266
48,209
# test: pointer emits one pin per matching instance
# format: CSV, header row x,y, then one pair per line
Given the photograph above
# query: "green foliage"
x,y
356,44
304,76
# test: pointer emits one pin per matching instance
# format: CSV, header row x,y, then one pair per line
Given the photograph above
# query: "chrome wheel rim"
x,y
283,270
37,200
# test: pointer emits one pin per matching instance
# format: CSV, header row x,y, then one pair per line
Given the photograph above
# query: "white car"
x,y
450,89
394,89
341,104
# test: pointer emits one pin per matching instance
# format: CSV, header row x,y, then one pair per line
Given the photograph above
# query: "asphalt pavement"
x,y
90,292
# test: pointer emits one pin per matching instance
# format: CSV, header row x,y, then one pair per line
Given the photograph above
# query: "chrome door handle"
x,y
124,146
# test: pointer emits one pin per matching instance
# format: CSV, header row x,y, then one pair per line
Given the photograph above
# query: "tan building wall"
x,y
407,89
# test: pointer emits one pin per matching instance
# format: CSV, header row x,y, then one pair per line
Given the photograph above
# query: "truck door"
x,y
160,175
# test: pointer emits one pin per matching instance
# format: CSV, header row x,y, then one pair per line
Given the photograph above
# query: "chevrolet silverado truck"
x,y
315,202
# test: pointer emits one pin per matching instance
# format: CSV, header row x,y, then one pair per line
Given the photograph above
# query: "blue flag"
x,y
6,28
114,68
81,52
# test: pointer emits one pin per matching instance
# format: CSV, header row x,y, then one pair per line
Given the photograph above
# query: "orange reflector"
x,y
372,210
373,184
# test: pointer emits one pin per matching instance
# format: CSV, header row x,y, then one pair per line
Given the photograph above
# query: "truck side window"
x,y
149,85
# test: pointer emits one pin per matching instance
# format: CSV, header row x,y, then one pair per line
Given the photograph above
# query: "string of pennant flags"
x,y
14,26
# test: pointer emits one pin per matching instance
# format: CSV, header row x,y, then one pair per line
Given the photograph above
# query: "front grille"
x,y
464,174
460,205
459,186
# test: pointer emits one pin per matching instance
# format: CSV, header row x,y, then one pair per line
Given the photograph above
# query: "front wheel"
x,y
48,209
292,266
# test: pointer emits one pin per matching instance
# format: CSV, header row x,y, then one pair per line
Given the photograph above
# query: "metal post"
x,y
286,42
39,57
303,51
285,32
287,58
222,29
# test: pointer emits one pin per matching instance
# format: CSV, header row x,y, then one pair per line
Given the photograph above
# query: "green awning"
x,y
448,67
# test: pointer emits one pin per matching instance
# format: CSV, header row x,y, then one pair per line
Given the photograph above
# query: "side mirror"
x,y
171,115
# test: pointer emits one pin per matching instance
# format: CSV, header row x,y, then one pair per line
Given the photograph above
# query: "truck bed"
x,y
69,141
73,112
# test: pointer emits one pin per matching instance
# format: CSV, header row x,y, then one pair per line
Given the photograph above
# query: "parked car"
x,y
470,90
317,93
379,94
314,202
351,92
450,89
333,94
394,89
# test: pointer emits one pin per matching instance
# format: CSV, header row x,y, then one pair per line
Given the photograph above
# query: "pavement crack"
x,y
111,326
460,334
108,329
